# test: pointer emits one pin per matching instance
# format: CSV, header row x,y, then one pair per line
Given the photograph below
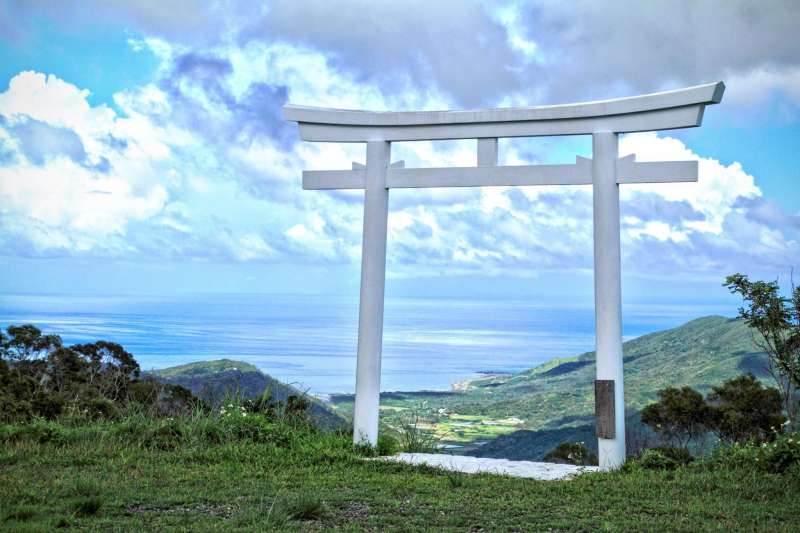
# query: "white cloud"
x,y
182,181
714,194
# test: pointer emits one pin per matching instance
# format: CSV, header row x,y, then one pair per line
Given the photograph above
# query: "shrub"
x,y
743,409
681,456
654,459
387,445
39,430
239,424
573,453
780,456
101,408
679,417
46,405
164,436
294,410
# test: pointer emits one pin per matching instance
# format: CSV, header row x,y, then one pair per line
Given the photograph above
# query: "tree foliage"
x,y
39,376
739,410
743,409
776,321
679,417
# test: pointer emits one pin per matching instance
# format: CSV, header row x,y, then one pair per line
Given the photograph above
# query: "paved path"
x,y
474,465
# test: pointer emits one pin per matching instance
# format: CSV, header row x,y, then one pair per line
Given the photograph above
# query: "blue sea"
x,y
310,341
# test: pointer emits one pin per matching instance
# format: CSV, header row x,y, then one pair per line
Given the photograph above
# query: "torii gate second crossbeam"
x,y
603,120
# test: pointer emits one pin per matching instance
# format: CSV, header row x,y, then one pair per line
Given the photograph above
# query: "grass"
x,y
230,474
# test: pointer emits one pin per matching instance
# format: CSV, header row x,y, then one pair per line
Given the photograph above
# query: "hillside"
x,y
531,411
214,381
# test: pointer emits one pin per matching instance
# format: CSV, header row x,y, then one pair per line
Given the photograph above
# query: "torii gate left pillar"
x,y
605,172
373,280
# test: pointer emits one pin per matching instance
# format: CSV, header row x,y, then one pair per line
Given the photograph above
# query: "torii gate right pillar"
x,y
609,390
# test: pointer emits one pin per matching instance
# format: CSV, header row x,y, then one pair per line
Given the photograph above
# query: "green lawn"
x,y
120,476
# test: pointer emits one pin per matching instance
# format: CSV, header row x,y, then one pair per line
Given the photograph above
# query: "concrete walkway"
x,y
474,465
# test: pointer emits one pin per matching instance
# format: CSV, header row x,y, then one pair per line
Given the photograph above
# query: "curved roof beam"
x,y
681,108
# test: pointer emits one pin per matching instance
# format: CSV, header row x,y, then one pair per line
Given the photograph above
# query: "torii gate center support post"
x,y
603,120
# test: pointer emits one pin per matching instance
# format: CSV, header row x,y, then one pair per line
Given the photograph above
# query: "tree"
x,y
743,409
776,323
110,367
679,417
24,345
41,377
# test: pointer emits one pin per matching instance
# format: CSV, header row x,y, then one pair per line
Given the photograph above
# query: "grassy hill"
x,y
230,473
215,381
531,411
202,368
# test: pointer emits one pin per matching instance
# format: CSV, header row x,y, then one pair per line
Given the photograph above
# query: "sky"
x,y
142,148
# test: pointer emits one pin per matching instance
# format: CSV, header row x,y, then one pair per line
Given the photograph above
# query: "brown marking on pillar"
x,y
604,408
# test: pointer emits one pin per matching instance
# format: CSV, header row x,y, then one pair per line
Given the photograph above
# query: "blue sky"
x,y
142,147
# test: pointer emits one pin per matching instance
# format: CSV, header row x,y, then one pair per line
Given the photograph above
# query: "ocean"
x,y
310,341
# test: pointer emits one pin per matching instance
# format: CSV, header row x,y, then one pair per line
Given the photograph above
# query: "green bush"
x,y
681,456
780,456
573,453
209,431
654,459
664,458
256,428
745,410
164,436
101,408
679,416
39,431
387,445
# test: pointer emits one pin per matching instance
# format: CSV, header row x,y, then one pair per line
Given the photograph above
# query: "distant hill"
x,y
560,394
555,400
214,381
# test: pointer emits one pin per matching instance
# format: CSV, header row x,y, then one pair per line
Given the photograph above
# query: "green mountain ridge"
x,y
555,400
701,353
200,368
214,381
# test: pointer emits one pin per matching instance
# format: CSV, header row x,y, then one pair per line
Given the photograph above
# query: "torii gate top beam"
x,y
681,108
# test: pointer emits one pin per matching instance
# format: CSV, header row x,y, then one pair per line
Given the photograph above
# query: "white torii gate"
x,y
604,120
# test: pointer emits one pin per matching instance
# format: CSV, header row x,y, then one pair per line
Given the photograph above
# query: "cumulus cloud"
x,y
83,179
180,188
199,163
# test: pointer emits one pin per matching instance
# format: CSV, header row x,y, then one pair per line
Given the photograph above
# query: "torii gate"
x,y
603,120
